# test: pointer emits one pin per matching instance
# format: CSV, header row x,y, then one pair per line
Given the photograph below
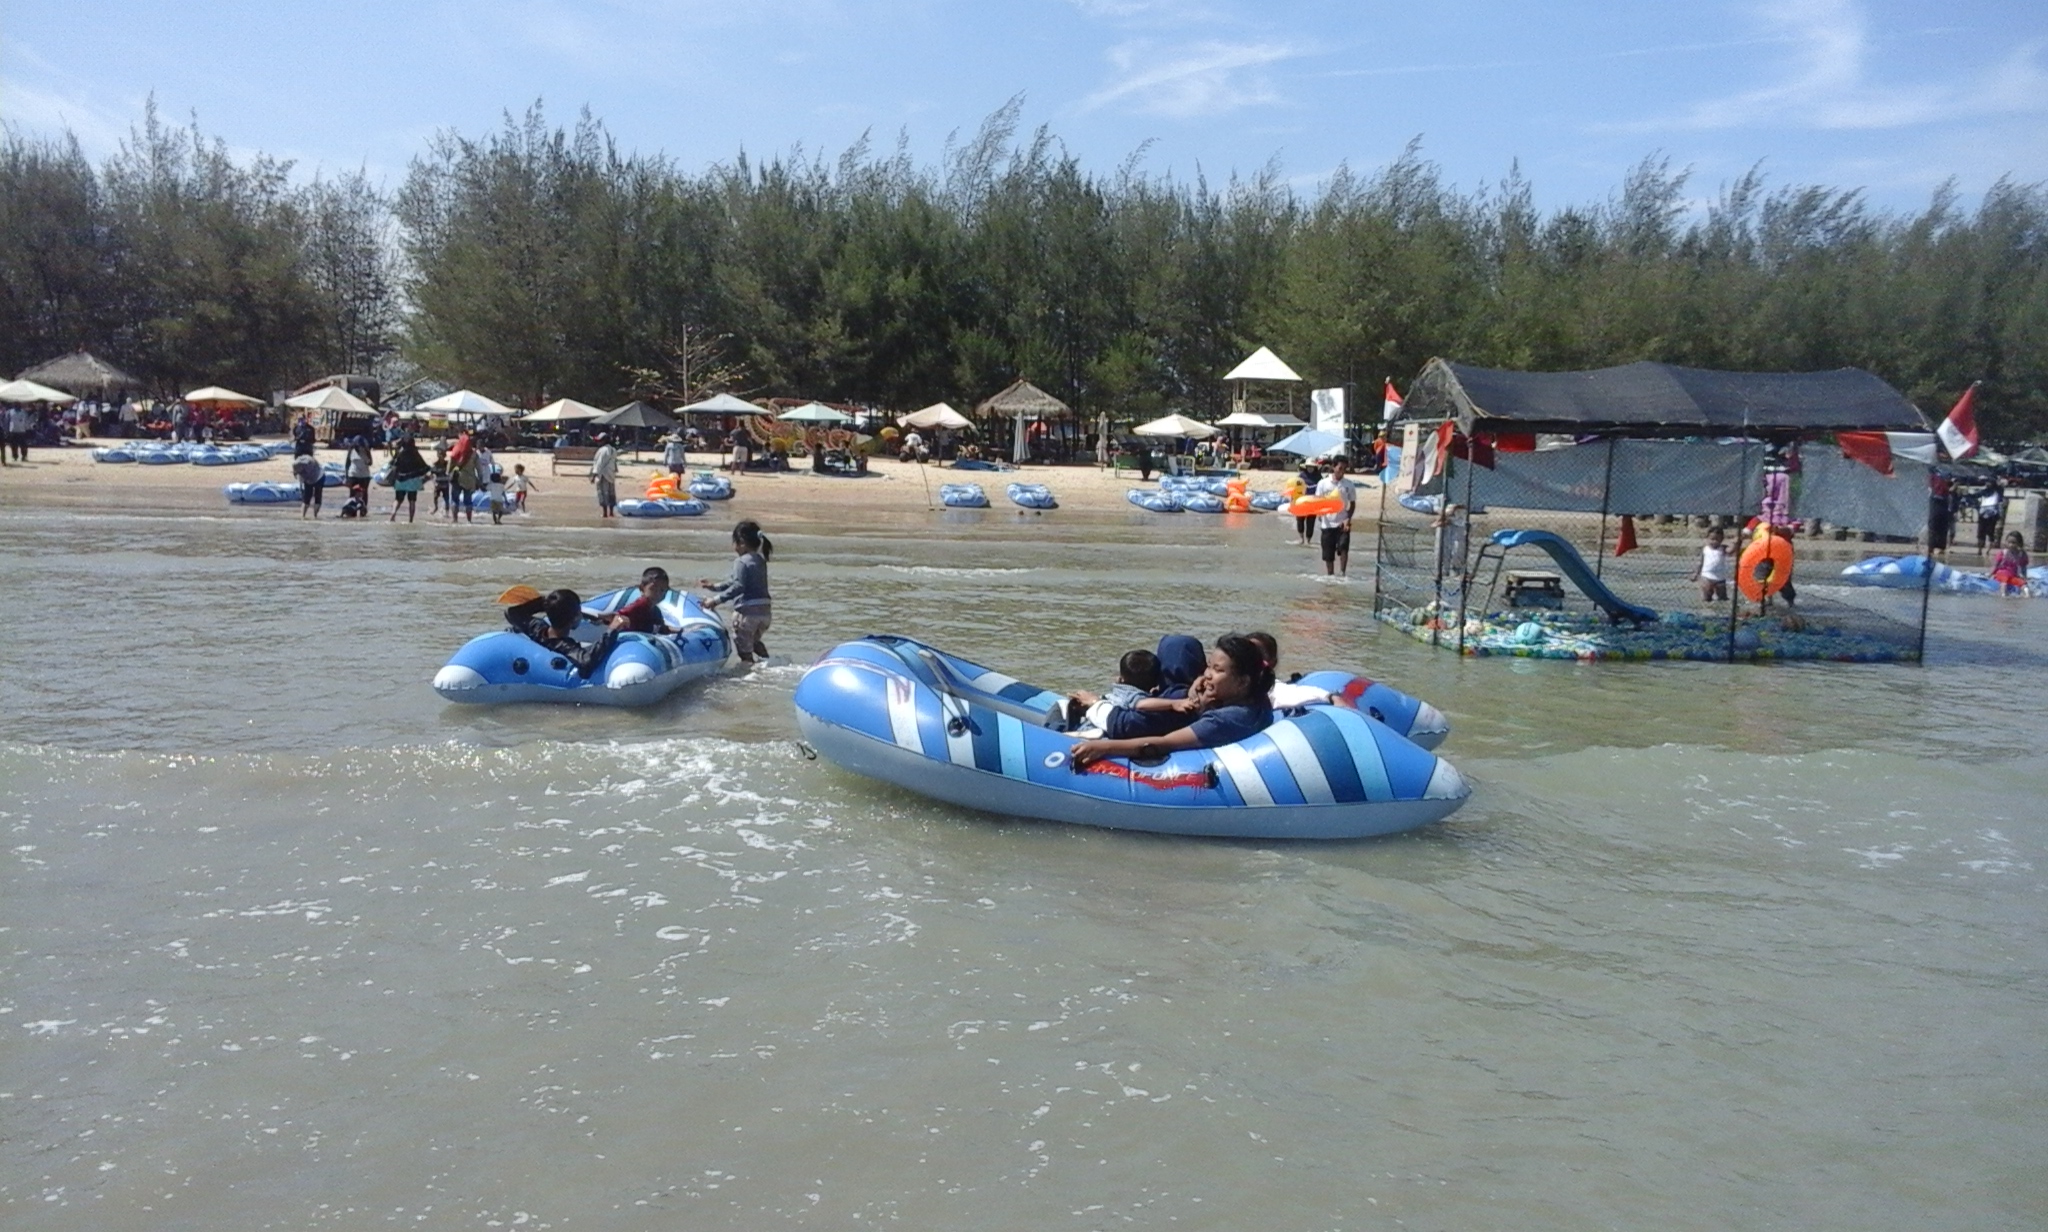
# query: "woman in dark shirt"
x,y
1229,703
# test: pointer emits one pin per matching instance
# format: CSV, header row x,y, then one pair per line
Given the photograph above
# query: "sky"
x,y
1890,96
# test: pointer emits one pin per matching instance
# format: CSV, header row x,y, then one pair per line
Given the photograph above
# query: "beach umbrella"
x,y
464,402
562,410
215,397
29,391
1310,443
814,412
331,398
721,404
937,415
636,415
1175,426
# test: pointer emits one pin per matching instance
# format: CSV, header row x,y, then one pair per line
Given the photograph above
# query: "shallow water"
x,y
290,943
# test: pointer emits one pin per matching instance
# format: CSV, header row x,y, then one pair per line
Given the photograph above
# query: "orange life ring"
x,y
1774,549
1316,506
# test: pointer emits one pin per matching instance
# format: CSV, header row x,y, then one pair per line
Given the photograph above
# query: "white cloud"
x,y
1829,83
35,109
1192,80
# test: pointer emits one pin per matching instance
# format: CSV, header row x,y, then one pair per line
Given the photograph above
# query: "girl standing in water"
x,y
747,590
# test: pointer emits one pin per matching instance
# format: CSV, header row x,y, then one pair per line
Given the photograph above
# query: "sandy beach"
x,y
68,477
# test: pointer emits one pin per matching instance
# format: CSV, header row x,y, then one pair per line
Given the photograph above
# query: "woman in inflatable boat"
x,y
1228,702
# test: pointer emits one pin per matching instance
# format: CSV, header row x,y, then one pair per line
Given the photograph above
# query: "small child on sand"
x,y
521,485
495,490
1712,571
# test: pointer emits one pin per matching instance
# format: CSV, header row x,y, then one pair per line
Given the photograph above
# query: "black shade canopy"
x,y
1647,399
636,415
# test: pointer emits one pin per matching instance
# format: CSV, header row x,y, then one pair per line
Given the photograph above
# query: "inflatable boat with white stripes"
x,y
897,710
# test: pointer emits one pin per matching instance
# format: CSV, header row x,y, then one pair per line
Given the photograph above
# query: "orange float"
x,y
1766,548
1316,506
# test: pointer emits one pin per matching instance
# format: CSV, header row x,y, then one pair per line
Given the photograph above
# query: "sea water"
x,y
288,942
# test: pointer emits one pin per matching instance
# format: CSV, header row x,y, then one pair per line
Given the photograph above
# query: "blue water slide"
x,y
1574,567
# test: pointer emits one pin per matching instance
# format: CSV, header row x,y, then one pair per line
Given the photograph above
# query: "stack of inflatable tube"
x,y
1267,501
663,507
962,496
897,710
113,453
706,486
641,669
1159,501
1032,496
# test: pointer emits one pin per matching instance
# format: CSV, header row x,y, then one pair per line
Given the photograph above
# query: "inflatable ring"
x,y
1766,548
1315,506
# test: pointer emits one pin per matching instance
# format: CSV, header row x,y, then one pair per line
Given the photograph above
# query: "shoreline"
x,y
895,494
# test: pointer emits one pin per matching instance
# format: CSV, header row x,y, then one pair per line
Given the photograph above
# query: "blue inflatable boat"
x,y
1160,501
641,669
666,507
894,709
1267,501
706,486
962,496
261,493
1032,496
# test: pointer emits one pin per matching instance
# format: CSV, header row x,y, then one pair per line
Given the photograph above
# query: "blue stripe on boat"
x,y
1302,759
1333,753
1243,775
1367,759
1273,769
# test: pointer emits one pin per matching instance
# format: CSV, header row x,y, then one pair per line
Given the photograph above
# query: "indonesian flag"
x,y
1958,432
1436,452
1392,405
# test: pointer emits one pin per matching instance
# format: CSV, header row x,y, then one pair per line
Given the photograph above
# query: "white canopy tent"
x,y
815,412
331,398
1262,365
721,404
562,410
937,415
1176,426
465,402
214,395
1254,419
30,391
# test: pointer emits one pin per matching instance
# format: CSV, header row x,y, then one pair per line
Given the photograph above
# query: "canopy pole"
x,y
1606,501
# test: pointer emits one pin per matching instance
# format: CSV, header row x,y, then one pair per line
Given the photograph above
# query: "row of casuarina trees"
x,y
538,260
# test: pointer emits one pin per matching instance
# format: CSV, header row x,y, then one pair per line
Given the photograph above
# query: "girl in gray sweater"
x,y
747,591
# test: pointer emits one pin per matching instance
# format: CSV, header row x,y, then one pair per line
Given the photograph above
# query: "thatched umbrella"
x,y
81,371
1022,401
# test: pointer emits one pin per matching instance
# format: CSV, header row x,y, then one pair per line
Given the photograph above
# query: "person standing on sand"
x,y
604,472
742,447
675,455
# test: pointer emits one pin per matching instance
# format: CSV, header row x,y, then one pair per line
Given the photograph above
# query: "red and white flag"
x,y
1958,432
1392,406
